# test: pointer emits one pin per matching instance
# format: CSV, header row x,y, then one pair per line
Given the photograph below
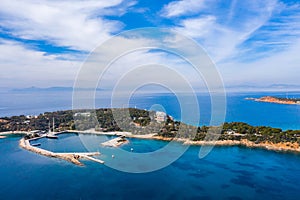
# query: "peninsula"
x,y
145,125
278,100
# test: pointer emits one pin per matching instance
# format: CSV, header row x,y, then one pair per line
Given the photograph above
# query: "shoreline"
x,y
270,99
116,142
70,157
14,133
278,147
74,157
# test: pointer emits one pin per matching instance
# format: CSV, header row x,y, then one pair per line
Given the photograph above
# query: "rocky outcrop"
x,y
270,99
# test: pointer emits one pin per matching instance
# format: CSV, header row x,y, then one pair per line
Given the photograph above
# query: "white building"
x,y
160,116
31,116
85,114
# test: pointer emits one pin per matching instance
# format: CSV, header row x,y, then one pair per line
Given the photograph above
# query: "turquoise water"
x,y
226,173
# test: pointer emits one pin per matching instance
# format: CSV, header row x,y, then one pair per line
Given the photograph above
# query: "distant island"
x,y
279,100
160,126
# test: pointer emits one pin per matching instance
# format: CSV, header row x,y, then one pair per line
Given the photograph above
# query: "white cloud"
x,y
132,65
221,36
280,31
75,24
25,67
22,67
124,55
281,67
248,30
182,7
224,32
198,27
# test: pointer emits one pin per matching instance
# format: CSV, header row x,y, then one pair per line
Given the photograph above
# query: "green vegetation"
x,y
240,130
63,121
288,99
143,122
100,119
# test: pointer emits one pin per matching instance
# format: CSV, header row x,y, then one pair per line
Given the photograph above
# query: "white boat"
x,y
36,144
51,136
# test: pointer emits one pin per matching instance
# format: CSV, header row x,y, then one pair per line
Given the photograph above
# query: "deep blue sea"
x,y
237,108
226,173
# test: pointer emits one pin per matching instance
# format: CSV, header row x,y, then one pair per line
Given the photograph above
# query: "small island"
x,y
278,100
145,125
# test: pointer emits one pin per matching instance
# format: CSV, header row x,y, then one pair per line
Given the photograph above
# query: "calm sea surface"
x,y
237,108
226,173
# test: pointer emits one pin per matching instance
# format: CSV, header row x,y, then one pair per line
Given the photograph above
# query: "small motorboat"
x,y
51,136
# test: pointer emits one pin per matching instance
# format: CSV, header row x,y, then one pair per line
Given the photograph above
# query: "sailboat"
x,y
50,134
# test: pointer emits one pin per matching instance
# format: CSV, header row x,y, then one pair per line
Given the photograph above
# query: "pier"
x,y
92,159
116,142
70,157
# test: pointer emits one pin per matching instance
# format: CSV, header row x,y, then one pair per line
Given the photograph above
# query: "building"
x,y
85,114
31,116
230,132
160,116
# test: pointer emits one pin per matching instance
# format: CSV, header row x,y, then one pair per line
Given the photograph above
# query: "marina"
x,y
98,180
73,157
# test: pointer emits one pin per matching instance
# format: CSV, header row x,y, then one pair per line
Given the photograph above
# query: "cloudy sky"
x,y
252,42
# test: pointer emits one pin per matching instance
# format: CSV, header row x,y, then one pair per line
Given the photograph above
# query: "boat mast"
x,y
53,125
49,127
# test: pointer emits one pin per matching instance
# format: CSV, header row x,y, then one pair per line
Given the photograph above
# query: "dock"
x,y
70,157
116,142
92,159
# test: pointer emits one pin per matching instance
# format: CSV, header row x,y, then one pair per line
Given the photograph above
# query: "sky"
x,y
252,43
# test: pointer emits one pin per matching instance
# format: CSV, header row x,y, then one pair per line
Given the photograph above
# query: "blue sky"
x,y
252,42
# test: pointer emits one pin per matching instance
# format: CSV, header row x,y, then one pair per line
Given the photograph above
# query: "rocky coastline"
x,y
270,99
279,147
75,157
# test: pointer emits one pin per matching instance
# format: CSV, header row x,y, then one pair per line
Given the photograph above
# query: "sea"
x,y
225,173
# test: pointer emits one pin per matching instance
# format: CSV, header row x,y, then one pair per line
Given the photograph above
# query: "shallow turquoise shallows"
x,y
226,173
